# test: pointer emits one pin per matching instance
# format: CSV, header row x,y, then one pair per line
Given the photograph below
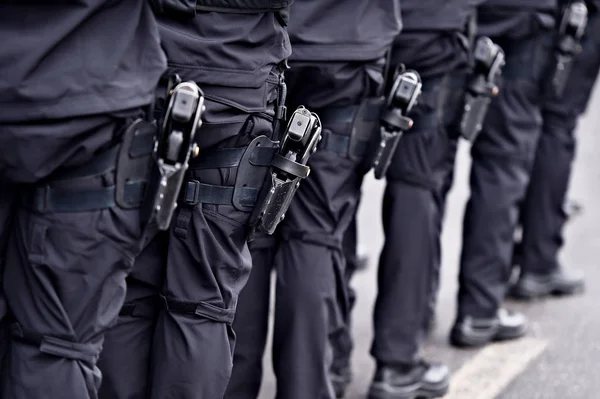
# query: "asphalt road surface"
x,y
559,359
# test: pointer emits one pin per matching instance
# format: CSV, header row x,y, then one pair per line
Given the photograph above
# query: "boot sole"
x,y
416,391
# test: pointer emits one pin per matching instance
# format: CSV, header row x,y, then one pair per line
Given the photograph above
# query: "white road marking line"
x,y
493,368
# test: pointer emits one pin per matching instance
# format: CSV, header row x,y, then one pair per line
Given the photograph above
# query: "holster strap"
x,y
195,193
293,168
231,157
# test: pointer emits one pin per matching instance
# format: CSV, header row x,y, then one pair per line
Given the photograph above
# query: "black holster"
x,y
394,120
488,60
288,168
174,147
568,45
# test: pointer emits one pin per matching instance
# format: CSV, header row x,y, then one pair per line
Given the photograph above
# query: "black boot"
x,y
420,380
558,282
473,332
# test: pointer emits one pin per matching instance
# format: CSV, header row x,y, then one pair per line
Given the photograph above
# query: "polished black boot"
x,y
419,380
474,332
558,282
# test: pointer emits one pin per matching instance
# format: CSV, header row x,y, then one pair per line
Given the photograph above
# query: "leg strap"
x,y
202,309
62,347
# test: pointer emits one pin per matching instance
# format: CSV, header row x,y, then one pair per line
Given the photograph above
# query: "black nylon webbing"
x,y
231,157
242,6
202,193
64,200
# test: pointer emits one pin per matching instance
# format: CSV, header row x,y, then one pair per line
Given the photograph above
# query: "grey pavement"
x,y
560,359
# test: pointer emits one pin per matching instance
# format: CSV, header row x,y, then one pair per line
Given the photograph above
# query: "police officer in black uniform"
x,y
542,212
435,43
174,337
75,76
444,171
336,70
503,156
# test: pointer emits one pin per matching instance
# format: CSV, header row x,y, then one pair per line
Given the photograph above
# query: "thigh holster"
x,y
268,173
288,168
252,163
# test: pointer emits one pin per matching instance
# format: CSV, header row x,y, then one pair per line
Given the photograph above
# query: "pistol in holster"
x,y
148,163
394,120
288,168
488,60
179,117
568,44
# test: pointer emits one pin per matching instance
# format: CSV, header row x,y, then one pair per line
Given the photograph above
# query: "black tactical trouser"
x,y
65,272
411,214
7,203
542,212
174,338
503,157
310,302
341,341
444,177
252,320
251,324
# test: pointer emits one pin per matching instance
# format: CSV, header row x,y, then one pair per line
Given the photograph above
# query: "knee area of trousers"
x,y
501,162
332,241
403,189
303,299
